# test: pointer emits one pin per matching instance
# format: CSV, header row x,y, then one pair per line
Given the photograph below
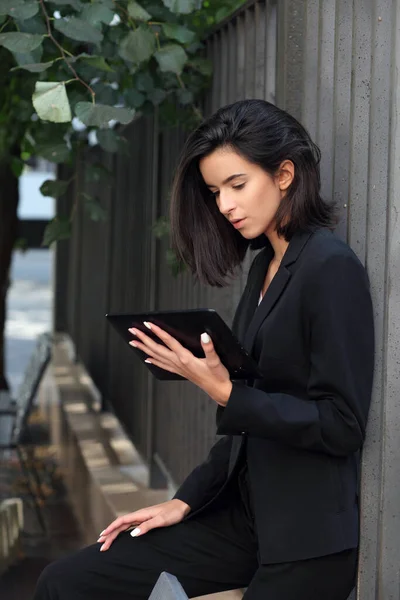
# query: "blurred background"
x,y
30,298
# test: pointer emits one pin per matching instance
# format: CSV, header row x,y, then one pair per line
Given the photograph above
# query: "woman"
x,y
275,506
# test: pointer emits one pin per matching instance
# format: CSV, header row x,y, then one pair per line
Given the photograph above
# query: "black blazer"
x,y
313,338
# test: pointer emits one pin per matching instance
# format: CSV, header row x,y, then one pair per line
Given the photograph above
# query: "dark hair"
x,y
264,135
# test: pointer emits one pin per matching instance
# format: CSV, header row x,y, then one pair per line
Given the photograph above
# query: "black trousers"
x,y
213,551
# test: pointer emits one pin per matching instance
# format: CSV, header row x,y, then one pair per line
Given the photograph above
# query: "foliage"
x,y
80,70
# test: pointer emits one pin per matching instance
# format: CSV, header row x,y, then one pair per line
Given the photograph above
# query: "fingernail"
x,y
102,548
148,325
148,361
102,532
205,338
135,532
133,344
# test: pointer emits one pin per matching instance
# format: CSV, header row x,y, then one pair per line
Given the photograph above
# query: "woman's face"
x,y
245,194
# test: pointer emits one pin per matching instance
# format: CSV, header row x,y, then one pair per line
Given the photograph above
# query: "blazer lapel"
x,y
256,315
271,296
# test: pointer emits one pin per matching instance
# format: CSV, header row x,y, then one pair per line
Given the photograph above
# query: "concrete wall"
x,y
340,78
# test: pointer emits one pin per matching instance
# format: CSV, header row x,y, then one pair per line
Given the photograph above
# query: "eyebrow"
x,y
228,179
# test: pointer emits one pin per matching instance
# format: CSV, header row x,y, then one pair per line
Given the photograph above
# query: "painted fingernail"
x,y
148,325
102,532
132,330
205,338
102,548
135,532
133,344
148,361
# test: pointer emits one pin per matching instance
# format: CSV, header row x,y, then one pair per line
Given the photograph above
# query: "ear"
x,y
285,175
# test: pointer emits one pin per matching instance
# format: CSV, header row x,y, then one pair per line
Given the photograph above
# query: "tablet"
x,y
186,326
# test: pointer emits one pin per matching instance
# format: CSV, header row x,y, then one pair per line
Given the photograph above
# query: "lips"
x,y
237,222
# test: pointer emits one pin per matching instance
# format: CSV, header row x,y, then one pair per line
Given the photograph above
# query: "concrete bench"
x,y
169,588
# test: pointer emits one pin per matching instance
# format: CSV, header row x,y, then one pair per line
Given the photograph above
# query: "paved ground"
x,y
37,549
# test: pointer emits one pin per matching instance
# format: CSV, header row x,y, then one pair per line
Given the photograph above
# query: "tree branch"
x,y
64,52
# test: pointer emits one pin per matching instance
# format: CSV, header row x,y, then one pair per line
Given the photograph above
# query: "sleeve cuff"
x,y
232,419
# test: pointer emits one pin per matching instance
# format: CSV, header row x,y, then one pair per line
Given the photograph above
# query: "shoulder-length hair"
x,y
265,135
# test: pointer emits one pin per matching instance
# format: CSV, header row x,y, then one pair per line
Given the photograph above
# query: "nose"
x,y
226,203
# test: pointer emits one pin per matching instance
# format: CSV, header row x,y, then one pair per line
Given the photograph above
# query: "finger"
x,y
109,539
212,359
171,368
127,520
154,523
149,346
168,339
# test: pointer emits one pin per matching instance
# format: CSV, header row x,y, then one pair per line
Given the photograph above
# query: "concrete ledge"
x,y
103,472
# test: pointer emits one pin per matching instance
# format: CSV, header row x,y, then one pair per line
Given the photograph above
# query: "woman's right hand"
x,y
160,515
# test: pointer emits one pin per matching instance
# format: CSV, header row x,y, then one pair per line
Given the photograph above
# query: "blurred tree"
x,y
71,69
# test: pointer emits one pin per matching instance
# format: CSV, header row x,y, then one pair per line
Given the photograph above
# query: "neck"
x,y
278,244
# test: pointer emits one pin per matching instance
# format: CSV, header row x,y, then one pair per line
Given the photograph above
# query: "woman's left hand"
x,y
207,373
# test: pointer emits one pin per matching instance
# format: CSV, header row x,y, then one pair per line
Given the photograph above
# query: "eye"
x,y
238,187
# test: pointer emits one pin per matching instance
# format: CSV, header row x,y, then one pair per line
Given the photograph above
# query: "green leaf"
x,y
97,62
183,7
17,166
94,209
176,266
25,11
222,13
156,96
54,189
138,46
203,65
35,67
185,96
138,12
79,30
29,58
161,228
57,153
99,115
108,140
144,82
51,101
74,3
34,25
18,9
95,14
171,58
58,229
7,5
20,42
133,98
179,33
105,94
97,173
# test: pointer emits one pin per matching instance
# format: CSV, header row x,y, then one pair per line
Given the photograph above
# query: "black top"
x,y
313,337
